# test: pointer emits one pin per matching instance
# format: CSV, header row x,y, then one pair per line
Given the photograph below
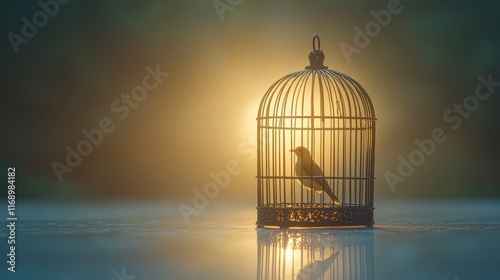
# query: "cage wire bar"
x,y
332,116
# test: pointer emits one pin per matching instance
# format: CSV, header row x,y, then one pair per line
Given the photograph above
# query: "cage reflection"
x,y
315,254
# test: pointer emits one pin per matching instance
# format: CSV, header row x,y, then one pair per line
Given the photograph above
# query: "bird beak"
x,y
292,150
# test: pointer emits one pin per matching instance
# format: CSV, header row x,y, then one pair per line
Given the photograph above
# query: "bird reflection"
x,y
315,254
316,270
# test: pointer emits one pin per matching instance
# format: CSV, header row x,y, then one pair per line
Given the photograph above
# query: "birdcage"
x,y
315,150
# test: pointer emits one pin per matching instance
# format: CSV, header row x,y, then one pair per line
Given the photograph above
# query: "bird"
x,y
304,167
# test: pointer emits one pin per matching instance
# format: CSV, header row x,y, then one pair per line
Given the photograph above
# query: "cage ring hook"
x,y
314,42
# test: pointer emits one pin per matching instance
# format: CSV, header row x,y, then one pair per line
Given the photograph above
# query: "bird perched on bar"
x,y
306,167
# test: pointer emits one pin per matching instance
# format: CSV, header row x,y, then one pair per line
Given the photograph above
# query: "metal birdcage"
x,y
315,150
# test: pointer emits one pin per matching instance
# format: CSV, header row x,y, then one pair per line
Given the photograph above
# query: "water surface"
x,y
411,240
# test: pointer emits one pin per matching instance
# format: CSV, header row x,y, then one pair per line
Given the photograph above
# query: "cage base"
x,y
314,217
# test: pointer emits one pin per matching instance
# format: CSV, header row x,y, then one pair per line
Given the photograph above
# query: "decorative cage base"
x,y
303,215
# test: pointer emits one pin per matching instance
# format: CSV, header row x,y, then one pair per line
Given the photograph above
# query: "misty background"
x,y
202,116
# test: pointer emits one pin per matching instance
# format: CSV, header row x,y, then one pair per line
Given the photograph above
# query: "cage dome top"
x,y
317,91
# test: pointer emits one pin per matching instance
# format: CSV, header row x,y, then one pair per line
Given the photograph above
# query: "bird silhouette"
x,y
306,167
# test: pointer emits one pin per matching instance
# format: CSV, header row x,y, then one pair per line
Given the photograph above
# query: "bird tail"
x,y
332,196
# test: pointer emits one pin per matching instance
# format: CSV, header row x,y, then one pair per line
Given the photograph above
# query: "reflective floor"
x,y
126,241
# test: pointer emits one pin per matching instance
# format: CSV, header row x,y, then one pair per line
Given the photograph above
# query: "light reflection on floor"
x,y
315,254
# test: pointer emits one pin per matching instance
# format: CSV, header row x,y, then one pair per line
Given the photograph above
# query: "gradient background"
x,y
203,114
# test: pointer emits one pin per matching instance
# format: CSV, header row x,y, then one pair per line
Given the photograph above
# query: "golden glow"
x,y
249,115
